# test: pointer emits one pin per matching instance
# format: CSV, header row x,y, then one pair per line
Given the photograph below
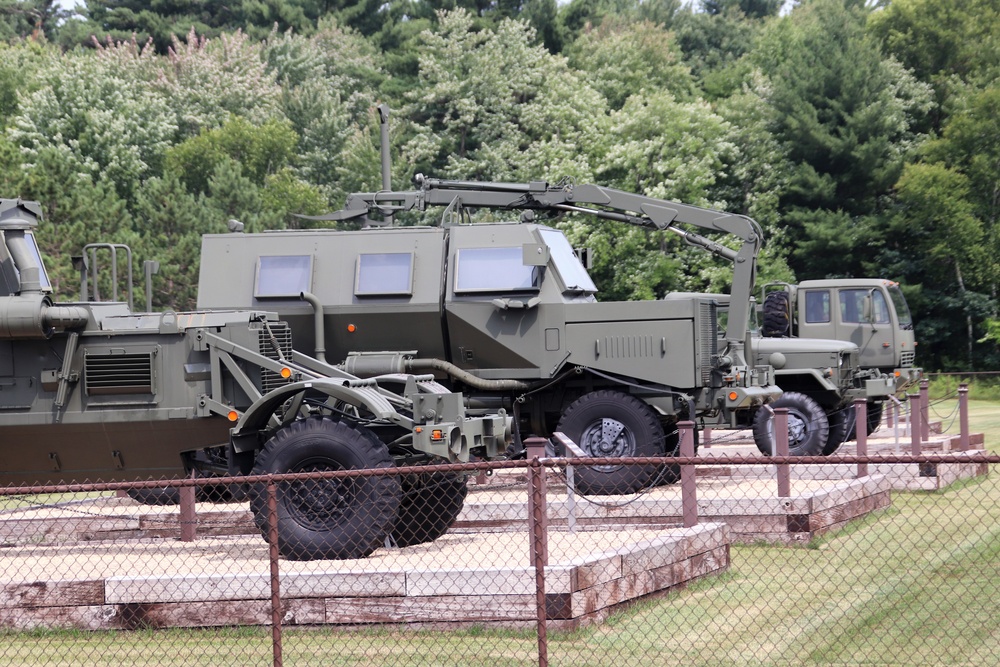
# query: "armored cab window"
x,y
852,306
283,276
902,310
494,270
817,307
43,277
571,271
386,274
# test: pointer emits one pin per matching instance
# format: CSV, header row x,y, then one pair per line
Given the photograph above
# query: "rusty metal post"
x,y
188,515
915,426
706,437
963,417
272,539
781,449
925,411
689,487
537,511
538,537
861,433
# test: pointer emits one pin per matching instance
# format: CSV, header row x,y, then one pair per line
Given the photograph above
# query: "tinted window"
x,y
852,306
493,270
572,272
386,273
817,307
286,276
902,310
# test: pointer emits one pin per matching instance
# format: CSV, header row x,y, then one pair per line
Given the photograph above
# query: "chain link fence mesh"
x,y
507,564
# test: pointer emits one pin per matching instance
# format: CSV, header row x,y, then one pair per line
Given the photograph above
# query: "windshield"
x,y
572,272
902,310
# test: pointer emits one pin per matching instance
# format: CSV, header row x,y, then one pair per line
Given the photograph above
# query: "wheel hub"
x,y
607,437
319,502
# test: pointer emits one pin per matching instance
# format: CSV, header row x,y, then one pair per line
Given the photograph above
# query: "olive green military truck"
x,y
821,378
872,313
92,391
507,313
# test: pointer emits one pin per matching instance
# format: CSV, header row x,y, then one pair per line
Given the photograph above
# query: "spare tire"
x,y
777,314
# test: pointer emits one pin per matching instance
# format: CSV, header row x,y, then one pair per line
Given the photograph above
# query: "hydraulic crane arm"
x,y
600,202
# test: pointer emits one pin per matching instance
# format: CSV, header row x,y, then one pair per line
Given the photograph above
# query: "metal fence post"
x,y
706,437
538,523
537,512
915,426
188,514
689,487
925,411
272,538
781,449
963,417
861,433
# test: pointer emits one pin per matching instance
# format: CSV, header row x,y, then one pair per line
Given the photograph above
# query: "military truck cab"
x,y
872,313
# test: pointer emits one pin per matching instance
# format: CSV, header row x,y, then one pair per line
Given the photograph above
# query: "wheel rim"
x,y
798,429
607,438
318,503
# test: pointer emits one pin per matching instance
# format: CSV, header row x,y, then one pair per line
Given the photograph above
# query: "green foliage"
x,y
495,106
942,43
260,150
101,113
162,21
623,59
846,116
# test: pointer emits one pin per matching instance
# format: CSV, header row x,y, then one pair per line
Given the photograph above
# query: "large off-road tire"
x,y
808,427
843,423
430,504
608,423
329,518
777,315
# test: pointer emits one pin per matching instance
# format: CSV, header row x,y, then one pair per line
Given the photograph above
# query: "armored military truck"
x,y
507,313
821,378
92,391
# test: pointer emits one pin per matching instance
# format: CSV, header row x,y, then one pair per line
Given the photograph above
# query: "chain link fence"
x,y
883,556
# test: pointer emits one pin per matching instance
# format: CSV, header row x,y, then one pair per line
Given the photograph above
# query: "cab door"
x,y
864,319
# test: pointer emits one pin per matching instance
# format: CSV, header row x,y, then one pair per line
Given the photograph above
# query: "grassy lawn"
x,y
917,584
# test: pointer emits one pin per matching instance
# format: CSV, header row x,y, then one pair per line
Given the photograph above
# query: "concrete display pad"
x,y
226,581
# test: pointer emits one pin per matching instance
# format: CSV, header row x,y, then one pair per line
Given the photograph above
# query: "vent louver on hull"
x,y
283,336
708,346
119,373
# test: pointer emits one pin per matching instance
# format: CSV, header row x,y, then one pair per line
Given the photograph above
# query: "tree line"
x,y
863,136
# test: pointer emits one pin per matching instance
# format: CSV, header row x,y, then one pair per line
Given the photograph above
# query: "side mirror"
x,y
868,307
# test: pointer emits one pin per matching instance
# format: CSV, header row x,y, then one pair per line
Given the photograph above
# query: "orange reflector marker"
x,y
286,372
233,415
733,396
898,373
351,328
437,434
418,429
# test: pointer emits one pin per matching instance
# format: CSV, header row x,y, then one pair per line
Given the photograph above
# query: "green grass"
x,y
917,584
